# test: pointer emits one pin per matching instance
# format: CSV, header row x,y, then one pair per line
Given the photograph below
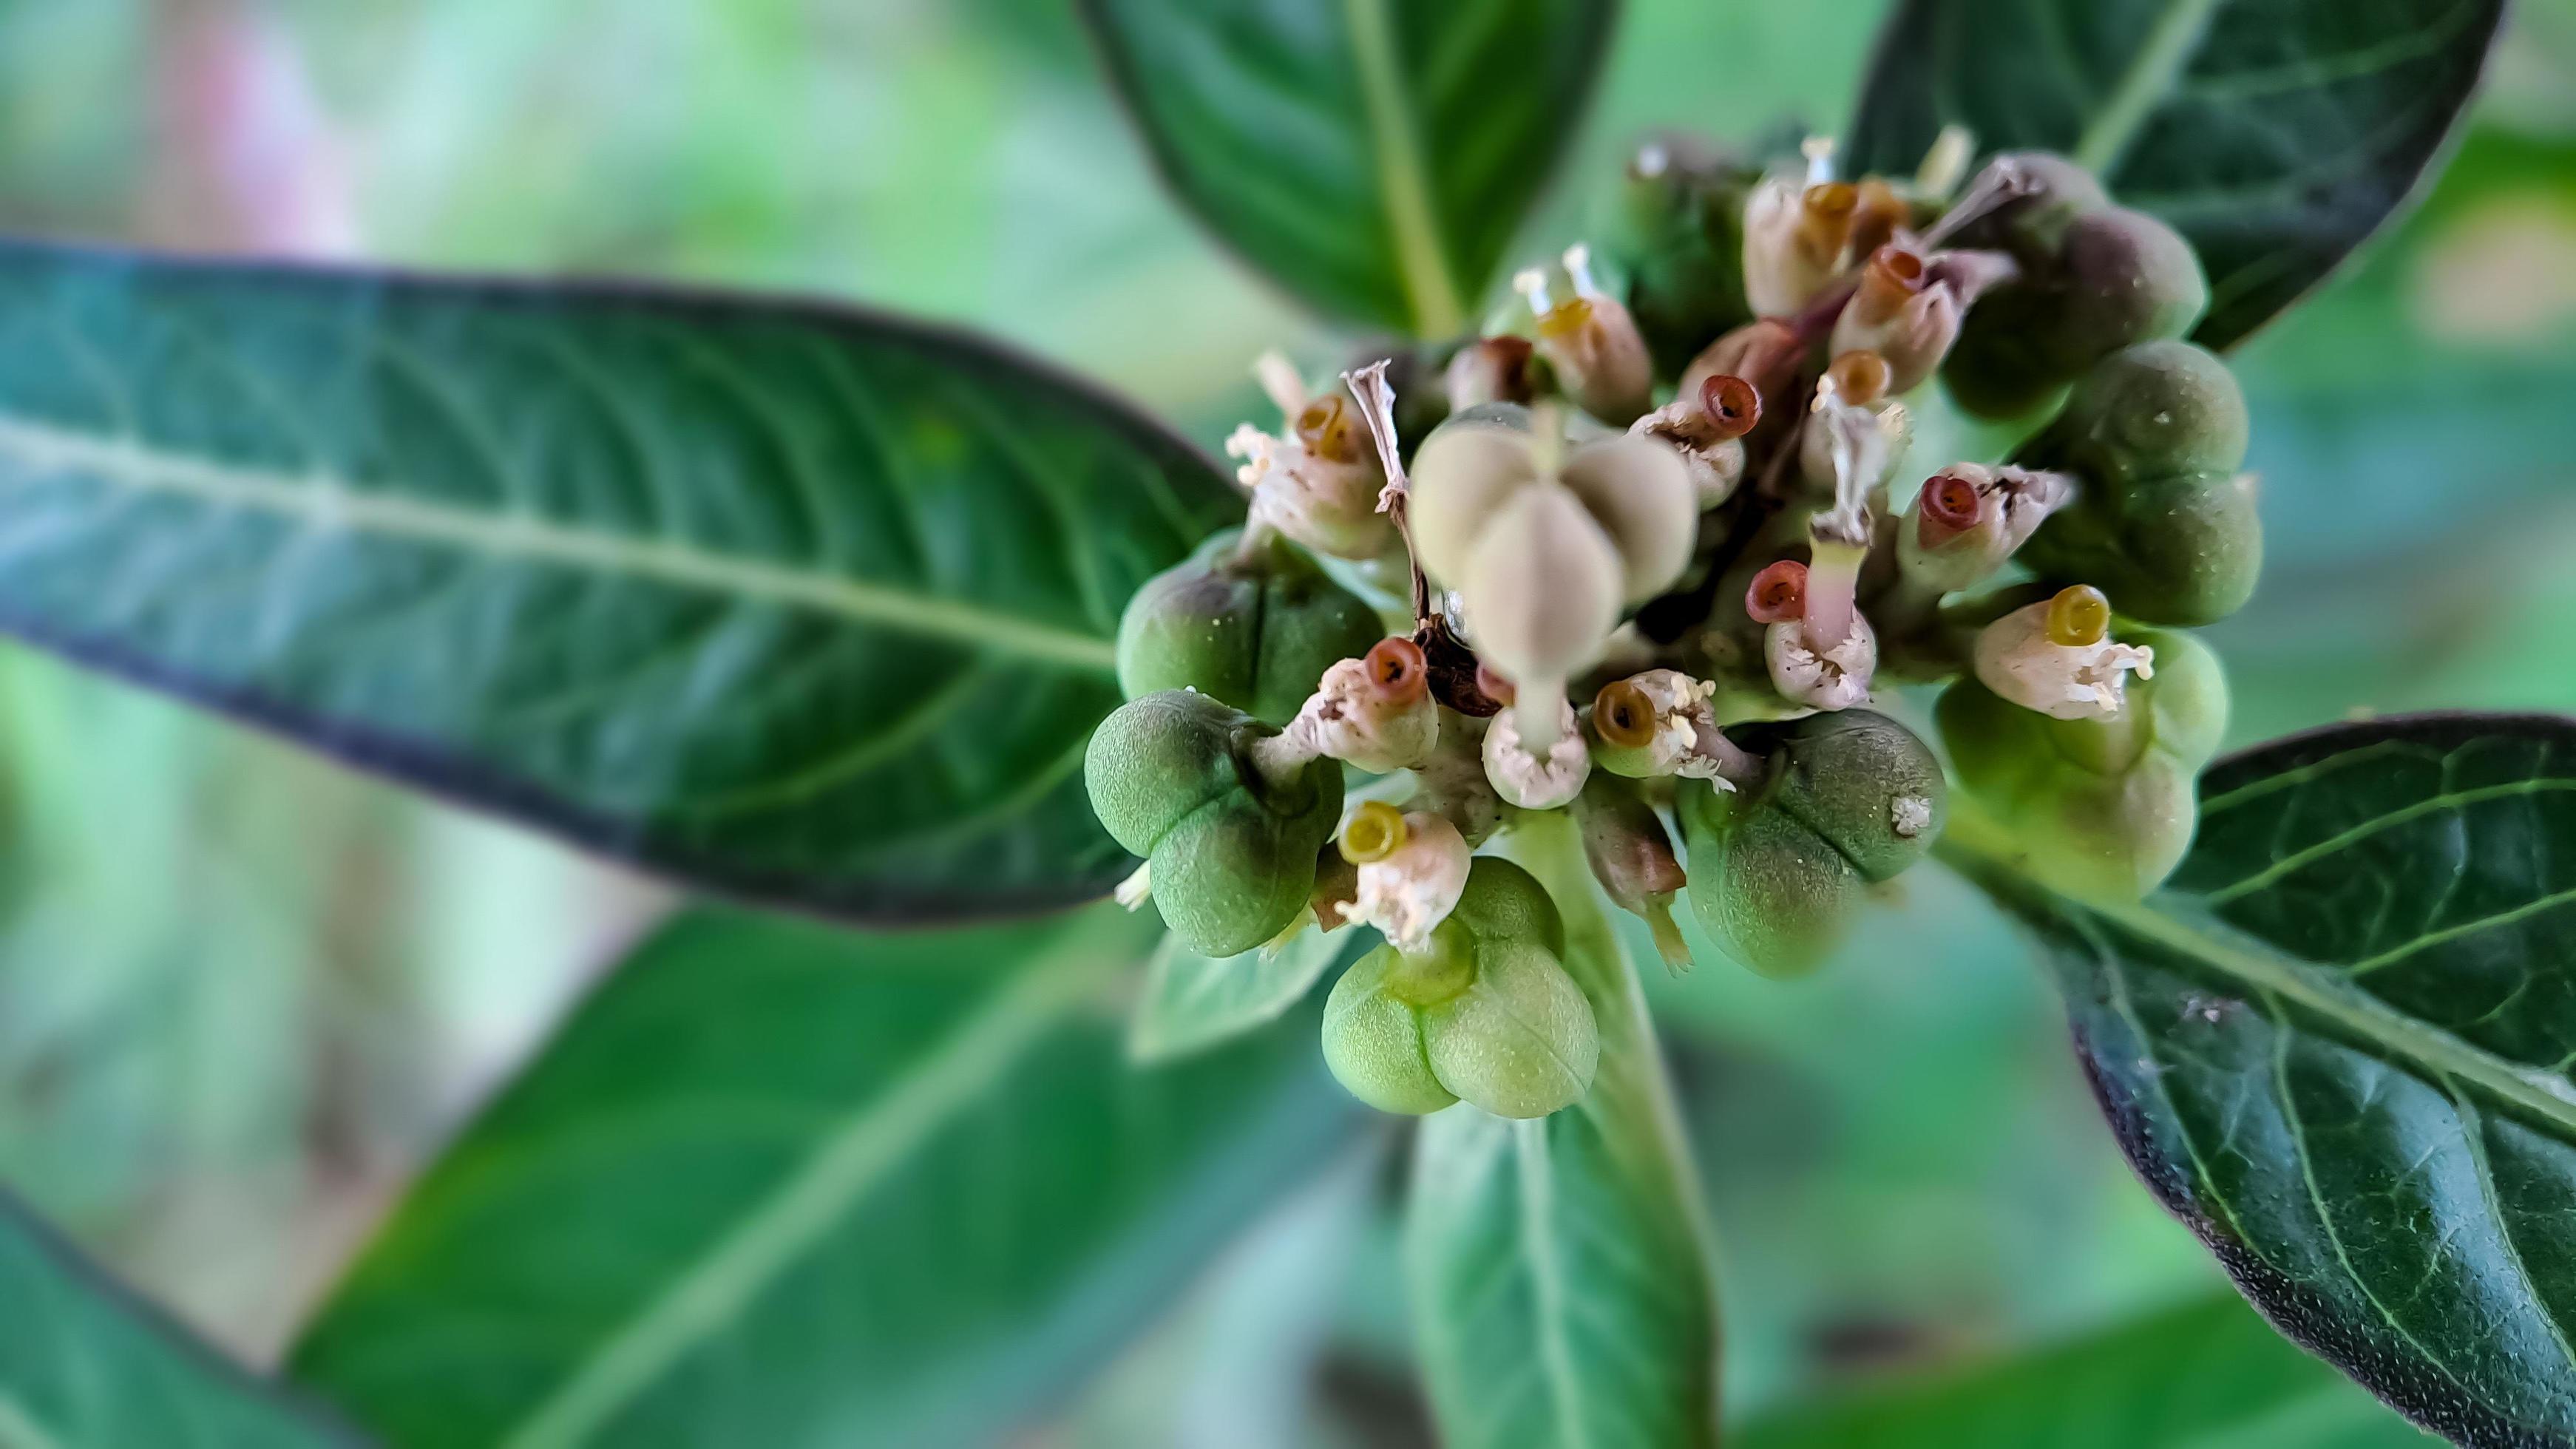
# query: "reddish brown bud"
x,y
1397,670
1778,594
1732,405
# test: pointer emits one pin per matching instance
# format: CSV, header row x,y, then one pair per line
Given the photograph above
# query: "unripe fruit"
x,y
2149,411
1778,874
1254,631
2119,277
2163,523
1231,853
2105,807
1484,1013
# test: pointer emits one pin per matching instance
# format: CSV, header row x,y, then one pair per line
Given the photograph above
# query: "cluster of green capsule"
x,y
1637,552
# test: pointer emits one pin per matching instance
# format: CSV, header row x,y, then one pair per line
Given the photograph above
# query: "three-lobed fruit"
x,y
1251,628
1231,852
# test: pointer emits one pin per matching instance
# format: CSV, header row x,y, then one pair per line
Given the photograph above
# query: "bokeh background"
x,y
243,994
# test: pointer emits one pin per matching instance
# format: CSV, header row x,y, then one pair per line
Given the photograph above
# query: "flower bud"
x,y
1252,626
1966,520
1318,479
2033,658
1778,873
1375,712
1230,848
1706,427
1591,344
1794,240
1536,781
1413,885
1484,1012
1631,855
1489,370
2104,806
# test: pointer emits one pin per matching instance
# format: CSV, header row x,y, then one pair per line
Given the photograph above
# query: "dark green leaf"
x,y
84,1365
2207,1375
2338,1046
1192,1002
1562,1289
783,1187
2276,134
796,601
1374,157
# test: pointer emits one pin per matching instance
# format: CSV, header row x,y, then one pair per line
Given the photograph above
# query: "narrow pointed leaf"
x,y
1373,157
2276,134
793,600
1192,1002
85,1365
2207,1375
783,1187
2338,1045
1561,1281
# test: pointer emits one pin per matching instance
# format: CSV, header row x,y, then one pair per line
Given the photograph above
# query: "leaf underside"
x,y
791,600
2339,1044
2275,134
1373,157
779,1186
84,1365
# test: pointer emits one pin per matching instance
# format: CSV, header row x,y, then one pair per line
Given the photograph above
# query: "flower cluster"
x,y
1654,554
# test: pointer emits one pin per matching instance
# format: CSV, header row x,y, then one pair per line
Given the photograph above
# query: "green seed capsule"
x,y
1232,854
1252,630
2151,411
2105,806
2119,277
1778,874
1485,1013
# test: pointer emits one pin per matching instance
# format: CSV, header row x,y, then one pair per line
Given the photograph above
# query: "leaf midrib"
x,y
2142,86
325,501
1402,177
1986,847
847,1163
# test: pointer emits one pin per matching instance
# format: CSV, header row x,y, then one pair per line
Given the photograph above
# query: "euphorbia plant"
x,y
1654,586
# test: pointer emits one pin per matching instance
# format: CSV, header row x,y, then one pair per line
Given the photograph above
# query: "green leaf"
x,y
1374,157
778,1186
1561,1278
2338,1046
85,1365
2208,1374
2275,134
1192,1002
797,601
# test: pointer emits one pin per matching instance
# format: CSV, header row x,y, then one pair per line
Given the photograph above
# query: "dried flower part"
x,y
1778,594
1631,855
2018,660
1413,888
1832,678
1351,718
1489,370
1849,446
1536,781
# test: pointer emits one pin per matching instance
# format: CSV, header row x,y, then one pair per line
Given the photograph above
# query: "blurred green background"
x,y
242,994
